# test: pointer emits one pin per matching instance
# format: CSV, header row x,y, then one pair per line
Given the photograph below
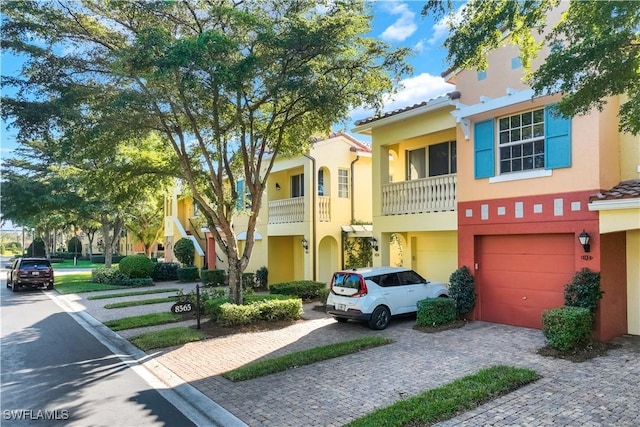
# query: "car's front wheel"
x,y
14,287
380,318
50,286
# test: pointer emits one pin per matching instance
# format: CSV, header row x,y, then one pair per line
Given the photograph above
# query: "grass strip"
x,y
76,283
304,357
141,302
445,402
167,338
143,320
133,294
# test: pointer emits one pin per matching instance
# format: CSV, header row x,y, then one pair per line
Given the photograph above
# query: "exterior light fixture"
x,y
374,243
305,245
584,238
277,186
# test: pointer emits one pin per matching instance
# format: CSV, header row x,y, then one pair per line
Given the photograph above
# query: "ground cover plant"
x,y
141,302
304,357
151,319
167,338
133,294
80,282
447,401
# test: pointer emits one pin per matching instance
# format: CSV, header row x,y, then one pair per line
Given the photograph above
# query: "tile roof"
x,y
451,95
625,190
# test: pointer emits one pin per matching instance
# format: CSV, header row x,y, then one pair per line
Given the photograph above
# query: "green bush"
x,y
266,310
36,248
305,289
165,271
462,290
188,274
136,266
583,290
262,277
113,276
567,328
74,245
213,277
324,294
212,306
436,311
248,280
184,251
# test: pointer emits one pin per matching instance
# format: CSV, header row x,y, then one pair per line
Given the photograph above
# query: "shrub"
x,y
267,310
248,280
567,328
324,294
583,290
262,277
213,277
212,306
165,271
136,266
305,289
188,274
436,311
184,251
74,245
99,259
36,248
113,276
462,290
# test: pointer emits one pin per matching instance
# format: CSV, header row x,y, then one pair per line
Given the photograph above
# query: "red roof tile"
x,y
625,190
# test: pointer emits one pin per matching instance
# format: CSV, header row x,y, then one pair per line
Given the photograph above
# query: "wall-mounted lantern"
x,y
374,243
584,239
305,245
277,186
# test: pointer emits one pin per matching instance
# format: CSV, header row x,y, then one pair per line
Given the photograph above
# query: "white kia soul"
x,y
375,294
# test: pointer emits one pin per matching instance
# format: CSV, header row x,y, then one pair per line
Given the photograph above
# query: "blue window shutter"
x,y
240,191
484,161
557,141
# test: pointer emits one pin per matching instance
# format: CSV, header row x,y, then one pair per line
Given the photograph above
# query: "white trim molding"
x,y
538,173
609,205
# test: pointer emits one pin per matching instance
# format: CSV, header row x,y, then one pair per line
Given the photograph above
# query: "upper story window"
x,y
297,185
521,141
321,182
343,183
441,159
535,140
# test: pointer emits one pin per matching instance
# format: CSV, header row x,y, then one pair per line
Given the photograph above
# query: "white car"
x,y
375,294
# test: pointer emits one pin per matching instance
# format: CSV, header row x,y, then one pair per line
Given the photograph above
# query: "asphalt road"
x,y
55,373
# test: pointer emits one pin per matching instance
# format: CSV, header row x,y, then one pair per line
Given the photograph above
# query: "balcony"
x,y
292,210
436,194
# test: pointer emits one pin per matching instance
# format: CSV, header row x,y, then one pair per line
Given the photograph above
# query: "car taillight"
x,y
363,289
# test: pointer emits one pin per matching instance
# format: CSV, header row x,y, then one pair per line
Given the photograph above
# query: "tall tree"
x,y
595,48
231,84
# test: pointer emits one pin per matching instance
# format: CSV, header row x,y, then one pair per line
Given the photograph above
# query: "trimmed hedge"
x,y
267,310
136,266
436,311
305,289
165,271
212,306
188,274
99,259
567,328
462,290
113,276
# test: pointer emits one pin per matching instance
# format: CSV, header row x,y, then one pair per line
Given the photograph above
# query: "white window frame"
x,y
343,183
521,142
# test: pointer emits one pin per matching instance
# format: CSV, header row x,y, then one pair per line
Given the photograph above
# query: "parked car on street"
x,y
30,272
375,294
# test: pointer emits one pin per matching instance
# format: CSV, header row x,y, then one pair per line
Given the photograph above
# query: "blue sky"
x,y
399,23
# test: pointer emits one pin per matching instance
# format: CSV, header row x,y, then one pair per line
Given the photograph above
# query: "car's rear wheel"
x,y
380,318
341,319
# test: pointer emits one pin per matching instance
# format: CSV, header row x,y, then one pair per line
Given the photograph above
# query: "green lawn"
x,y
134,293
141,302
304,357
80,282
447,401
144,320
166,338
68,263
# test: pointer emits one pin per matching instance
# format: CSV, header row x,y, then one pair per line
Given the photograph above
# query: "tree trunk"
x,y
235,278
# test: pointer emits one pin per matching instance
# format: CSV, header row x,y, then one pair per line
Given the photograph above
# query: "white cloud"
x,y
414,90
403,27
441,28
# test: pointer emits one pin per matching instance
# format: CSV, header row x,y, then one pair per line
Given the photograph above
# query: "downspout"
x,y
313,213
353,202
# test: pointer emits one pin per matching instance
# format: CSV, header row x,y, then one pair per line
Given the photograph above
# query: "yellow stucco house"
x,y
312,206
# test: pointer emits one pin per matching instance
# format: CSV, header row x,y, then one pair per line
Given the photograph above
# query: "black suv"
x,y
31,272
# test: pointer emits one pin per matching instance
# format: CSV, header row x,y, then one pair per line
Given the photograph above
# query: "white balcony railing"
x,y
292,210
420,195
286,210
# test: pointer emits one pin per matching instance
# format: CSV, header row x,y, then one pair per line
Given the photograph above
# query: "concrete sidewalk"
x,y
601,392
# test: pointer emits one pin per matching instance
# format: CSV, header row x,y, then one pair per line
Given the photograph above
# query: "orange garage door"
x,y
520,276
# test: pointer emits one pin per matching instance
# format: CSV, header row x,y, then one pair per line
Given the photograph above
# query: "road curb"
x,y
193,403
